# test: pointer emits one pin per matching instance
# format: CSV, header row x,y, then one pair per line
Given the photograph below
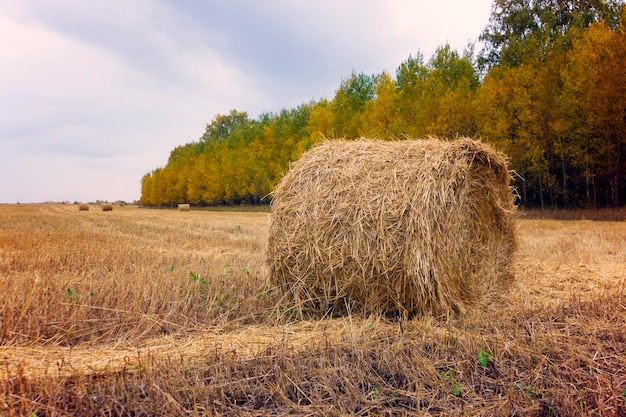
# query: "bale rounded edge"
x,y
406,227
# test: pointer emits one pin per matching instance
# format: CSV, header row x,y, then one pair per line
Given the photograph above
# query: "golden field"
x,y
161,312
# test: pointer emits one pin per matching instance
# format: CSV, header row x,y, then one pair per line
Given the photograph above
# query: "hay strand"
x,y
406,227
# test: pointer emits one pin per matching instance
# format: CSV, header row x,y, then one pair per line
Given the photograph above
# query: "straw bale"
x,y
83,207
396,228
184,207
106,207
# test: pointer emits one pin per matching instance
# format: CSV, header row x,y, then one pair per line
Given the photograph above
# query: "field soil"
x,y
159,312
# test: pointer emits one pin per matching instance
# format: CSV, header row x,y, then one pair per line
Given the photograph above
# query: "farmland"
x,y
160,312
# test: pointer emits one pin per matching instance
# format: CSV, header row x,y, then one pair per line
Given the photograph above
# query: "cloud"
x,y
63,177
102,83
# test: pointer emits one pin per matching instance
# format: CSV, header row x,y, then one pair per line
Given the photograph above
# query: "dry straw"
x,y
184,207
406,227
106,207
83,207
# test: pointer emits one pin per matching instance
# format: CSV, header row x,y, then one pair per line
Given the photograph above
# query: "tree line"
x,y
548,88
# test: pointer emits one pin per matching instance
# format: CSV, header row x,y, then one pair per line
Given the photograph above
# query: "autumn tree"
x,y
519,30
380,114
452,83
348,105
593,104
526,45
436,98
505,108
411,83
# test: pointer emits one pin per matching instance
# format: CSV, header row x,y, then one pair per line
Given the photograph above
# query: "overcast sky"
x,y
95,94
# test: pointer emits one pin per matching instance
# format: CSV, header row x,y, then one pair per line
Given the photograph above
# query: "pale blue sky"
x,y
95,94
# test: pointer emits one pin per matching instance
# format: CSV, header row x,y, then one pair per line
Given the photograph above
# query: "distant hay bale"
x,y
398,228
184,207
106,207
83,207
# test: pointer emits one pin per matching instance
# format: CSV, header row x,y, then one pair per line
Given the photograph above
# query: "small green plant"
x,y
223,299
201,283
529,389
197,279
73,295
483,357
449,376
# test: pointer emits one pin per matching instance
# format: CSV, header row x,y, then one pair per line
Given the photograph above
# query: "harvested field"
x,y
146,312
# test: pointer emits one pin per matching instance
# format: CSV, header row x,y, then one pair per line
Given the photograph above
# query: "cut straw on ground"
x,y
101,315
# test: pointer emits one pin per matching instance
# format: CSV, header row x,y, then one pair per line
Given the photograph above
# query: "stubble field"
x,y
160,312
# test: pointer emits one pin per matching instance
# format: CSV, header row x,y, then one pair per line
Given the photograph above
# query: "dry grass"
x,y
130,276
399,228
143,312
602,214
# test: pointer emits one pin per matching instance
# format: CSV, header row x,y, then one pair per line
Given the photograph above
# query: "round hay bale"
x,y
398,228
106,207
184,207
83,207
